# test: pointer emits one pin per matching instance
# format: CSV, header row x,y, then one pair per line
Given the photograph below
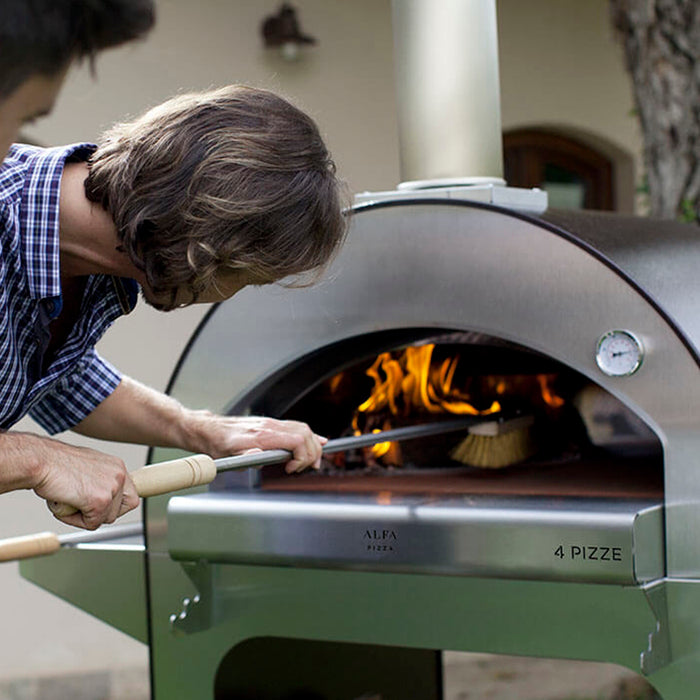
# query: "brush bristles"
x,y
495,452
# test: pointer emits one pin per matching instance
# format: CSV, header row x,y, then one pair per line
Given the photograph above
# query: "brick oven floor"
x,y
467,677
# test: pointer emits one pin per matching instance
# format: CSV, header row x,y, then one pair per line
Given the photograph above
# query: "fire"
x,y
335,382
381,448
549,397
412,383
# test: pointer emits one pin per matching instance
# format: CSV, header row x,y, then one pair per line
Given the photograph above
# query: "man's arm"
x,y
138,414
96,484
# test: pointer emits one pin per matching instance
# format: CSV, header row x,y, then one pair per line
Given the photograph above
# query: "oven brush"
x,y
497,444
198,470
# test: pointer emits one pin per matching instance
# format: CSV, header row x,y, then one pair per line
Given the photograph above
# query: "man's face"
x,y
31,99
226,285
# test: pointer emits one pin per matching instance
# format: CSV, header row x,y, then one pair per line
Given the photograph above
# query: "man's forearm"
x,y
137,414
21,455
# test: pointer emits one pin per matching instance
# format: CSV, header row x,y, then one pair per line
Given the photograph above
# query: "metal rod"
x,y
260,459
104,534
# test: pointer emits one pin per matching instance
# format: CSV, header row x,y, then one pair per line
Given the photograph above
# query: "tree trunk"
x,y
661,40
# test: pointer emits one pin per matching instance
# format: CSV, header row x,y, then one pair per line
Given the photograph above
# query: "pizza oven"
x,y
584,543
448,299
583,548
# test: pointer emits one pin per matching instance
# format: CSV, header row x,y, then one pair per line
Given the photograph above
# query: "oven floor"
x,y
601,477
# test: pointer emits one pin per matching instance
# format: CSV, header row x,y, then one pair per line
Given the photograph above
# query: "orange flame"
x,y
381,448
549,397
411,382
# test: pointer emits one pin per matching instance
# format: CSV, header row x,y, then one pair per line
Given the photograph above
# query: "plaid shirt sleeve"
x,y
76,394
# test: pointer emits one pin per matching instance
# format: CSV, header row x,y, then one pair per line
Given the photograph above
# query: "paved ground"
x,y
126,685
467,677
486,677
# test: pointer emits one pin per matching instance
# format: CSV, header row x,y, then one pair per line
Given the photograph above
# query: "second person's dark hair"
x,y
43,36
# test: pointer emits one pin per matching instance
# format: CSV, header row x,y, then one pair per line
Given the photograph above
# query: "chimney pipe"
x,y
446,54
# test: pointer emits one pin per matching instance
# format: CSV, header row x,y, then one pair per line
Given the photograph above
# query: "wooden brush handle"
x,y
157,479
29,546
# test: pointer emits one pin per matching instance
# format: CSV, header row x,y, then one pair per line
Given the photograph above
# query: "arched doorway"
x,y
575,175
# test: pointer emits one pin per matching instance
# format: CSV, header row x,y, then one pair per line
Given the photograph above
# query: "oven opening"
x,y
566,437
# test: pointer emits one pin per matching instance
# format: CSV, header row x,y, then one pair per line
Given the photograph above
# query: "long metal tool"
x,y
198,470
354,442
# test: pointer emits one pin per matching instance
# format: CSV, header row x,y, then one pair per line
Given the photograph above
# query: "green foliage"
x,y
689,212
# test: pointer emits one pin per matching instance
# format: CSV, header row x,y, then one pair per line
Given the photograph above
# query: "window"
x,y
574,175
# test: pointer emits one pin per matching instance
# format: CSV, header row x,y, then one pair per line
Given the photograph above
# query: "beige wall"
x,y
345,82
559,66
562,68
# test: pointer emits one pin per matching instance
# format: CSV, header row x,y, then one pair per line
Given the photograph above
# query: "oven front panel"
x,y
526,538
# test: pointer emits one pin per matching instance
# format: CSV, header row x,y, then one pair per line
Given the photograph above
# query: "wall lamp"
x,y
281,31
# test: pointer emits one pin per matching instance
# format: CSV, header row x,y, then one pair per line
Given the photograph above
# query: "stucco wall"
x,y
559,66
562,68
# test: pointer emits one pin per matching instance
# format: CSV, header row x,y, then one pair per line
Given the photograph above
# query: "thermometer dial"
x,y
619,353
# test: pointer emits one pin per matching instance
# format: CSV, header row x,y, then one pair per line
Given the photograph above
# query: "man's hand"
x,y
222,436
95,484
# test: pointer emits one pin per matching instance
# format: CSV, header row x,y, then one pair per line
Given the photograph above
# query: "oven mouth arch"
x,y
275,394
290,390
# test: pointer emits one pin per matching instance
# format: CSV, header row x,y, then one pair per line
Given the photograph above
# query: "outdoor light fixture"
x,y
281,31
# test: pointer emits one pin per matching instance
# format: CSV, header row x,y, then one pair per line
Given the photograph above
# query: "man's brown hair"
x,y
232,179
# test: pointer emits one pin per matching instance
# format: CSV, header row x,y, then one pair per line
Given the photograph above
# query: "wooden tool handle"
x,y
157,479
177,474
29,546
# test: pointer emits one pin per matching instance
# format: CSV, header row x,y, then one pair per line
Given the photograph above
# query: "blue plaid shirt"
x,y
77,379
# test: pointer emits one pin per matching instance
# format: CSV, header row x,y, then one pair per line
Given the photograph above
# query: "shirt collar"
x,y
39,216
127,291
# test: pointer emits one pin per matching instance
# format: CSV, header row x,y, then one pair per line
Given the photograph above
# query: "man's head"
x,y
40,38
217,190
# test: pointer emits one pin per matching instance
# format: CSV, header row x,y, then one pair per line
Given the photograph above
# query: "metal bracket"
x,y
658,652
212,602
217,598
196,614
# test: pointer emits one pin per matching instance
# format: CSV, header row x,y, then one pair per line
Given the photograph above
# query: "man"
x,y
193,201
40,38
